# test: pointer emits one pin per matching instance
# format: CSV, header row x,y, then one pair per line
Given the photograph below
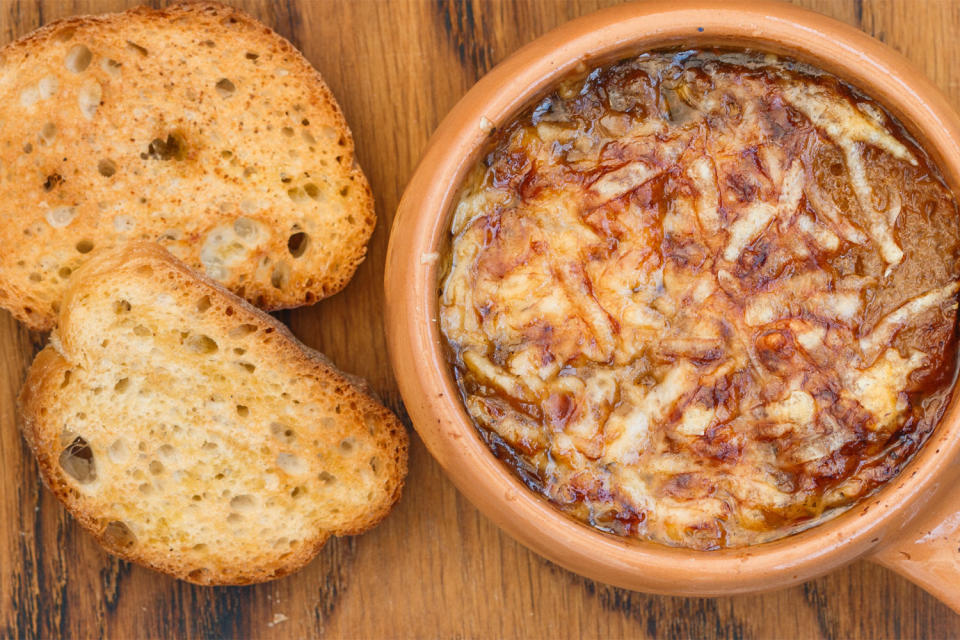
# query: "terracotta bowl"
x,y
912,525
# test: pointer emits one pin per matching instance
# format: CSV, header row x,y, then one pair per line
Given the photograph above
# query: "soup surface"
x,y
703,298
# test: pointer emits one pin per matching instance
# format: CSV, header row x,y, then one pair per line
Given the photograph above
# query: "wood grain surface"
x,y
435,567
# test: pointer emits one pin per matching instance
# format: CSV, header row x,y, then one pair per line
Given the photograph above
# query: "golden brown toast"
x,y
193,434
194,126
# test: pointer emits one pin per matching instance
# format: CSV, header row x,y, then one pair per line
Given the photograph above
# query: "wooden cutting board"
x,y
435,567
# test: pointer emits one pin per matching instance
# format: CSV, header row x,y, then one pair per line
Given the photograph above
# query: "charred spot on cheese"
x,y
705,298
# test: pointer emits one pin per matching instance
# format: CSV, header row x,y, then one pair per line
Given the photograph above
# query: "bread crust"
x,y
41,427
319,190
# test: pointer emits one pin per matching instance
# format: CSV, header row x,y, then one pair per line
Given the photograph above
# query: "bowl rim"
x,y
418,233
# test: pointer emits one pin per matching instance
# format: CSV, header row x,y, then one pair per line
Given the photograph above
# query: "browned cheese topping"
x,y
706,299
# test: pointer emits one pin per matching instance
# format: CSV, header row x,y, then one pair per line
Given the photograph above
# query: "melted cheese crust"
x,y
706,299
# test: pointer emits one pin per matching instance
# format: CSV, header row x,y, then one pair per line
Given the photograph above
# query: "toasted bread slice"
x,y
194,126
192,433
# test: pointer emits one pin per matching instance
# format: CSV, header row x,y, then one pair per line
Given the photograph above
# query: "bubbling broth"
x,y
706,298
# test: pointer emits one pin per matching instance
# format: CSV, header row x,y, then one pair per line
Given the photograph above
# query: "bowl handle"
x,y
927,551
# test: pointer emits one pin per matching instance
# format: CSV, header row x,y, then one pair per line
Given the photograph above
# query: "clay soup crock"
x,y
912,525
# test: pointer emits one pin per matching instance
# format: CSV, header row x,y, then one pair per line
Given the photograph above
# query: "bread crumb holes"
x,y
78,58
202,344
78,462
107,168
118,535
297,244
225,87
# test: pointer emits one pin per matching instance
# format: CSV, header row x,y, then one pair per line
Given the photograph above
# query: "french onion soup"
x,y
706,298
